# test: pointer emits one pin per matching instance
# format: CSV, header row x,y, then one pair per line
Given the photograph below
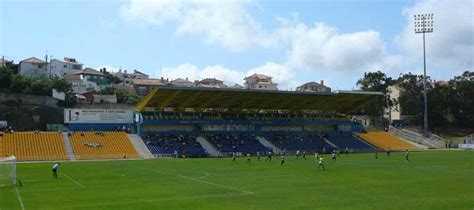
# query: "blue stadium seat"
x,y
351,142
233,142
292,141
167,144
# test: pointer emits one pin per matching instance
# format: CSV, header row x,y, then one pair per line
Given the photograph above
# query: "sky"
x,y
293,41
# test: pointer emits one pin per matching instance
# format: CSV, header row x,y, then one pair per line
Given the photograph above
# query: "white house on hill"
x,y
260,82
314,87
181,83
33,67
210,83
65,66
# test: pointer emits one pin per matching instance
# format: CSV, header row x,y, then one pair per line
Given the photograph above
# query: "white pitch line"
x,y
53,189
206,174
19,198
158,200
202,181
75,182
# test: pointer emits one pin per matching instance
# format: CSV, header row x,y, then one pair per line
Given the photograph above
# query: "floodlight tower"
x,y
423,25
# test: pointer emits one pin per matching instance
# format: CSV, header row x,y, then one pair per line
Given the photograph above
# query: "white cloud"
x,y
192,72
322,48
226,23
282,75
182,71
151,11
227,75
451,44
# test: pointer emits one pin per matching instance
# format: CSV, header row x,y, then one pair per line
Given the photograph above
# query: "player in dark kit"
x,y
258,156
376,155
304,155
388,151
55,170
248,158
406,155
269,158
282,160
233,157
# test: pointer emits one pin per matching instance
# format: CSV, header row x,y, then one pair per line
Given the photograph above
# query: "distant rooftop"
x,y
259,76
34,60
210,80
69,60
89,71
150,82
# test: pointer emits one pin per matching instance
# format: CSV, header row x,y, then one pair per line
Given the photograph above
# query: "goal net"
x,y
8,171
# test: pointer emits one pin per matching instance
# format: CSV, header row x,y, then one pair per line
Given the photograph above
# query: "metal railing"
x,y
469,138
433,142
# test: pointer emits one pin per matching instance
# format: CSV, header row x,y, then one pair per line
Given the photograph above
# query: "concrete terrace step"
x,y
210,149
330,143
417,138
140,146
67,144
268,144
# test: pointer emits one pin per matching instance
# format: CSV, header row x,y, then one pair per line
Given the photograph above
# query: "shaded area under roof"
x,y
343,102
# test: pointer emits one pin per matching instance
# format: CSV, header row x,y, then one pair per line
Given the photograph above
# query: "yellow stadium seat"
x,y
111,145
384,140
33,145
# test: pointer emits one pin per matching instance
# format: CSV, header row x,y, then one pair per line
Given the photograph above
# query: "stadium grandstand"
x,y
223,121
204,122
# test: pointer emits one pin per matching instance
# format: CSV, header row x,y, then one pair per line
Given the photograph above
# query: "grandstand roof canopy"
x,y
343,102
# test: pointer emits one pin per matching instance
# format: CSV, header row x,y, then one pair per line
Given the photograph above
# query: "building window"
x,y
259,86
65,66
142,90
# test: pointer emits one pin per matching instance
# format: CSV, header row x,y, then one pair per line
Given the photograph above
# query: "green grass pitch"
x,y
431,180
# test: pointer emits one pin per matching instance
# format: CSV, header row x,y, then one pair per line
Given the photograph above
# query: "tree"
x,y
40,86
70,101
6,74
12,66
61,84
113,79
20,84
411,98
377,81
108,91
92,89
462,99
438,109
124,96
127,96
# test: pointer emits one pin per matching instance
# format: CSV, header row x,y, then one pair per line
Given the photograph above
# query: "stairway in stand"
x,y
210,149
268,144
140,146
69,150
